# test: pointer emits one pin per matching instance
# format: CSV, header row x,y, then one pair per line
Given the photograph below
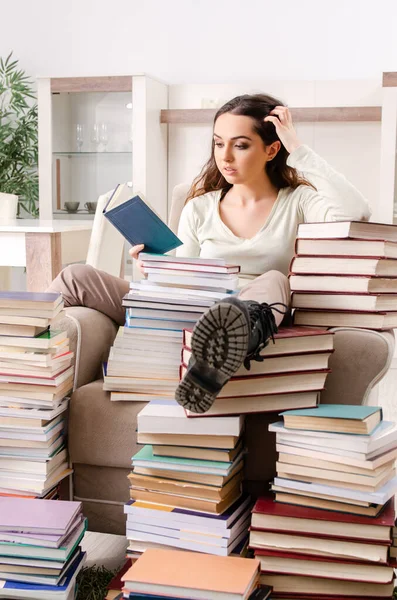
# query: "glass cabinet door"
x,y
91,148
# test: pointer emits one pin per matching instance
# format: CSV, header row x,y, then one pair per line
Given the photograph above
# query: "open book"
x,y
138,222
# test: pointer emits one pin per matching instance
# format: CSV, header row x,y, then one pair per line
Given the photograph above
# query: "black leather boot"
x,y
230,333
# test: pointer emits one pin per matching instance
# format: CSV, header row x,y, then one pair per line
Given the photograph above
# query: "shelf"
x,y
91,153
113,83
303,115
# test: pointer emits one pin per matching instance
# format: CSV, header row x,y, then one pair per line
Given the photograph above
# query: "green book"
x,y
146,458
336,418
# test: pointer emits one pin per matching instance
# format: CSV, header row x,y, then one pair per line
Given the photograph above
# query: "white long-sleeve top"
x,y
204,234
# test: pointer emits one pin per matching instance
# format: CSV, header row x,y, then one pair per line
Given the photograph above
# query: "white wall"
x,y
197,41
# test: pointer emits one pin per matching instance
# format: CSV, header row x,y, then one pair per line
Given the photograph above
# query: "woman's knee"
x,y
278,276
76,272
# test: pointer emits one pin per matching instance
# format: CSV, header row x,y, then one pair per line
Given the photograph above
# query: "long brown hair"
x,y
256,106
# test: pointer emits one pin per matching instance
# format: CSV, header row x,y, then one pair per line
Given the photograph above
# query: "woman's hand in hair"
x,y
134,252
282,120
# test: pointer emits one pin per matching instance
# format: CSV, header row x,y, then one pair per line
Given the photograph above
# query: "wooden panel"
x,y
303,115
43,260
92,84
390,79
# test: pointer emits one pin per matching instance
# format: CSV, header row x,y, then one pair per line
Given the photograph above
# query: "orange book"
x,y
185,574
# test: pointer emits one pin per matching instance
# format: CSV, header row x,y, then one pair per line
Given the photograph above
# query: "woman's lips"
x,y
230,171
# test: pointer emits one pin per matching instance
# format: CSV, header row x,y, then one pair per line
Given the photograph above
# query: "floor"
x,y
104,549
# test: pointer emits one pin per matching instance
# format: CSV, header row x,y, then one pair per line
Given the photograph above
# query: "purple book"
x,y
37,516
47,540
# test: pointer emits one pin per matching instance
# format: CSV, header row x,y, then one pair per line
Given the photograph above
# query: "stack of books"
x,y
185,487
173,296
161,573
345,274
329,533
291,375
40,556
36,375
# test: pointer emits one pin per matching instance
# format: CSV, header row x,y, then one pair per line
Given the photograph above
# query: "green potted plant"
x,y
18,137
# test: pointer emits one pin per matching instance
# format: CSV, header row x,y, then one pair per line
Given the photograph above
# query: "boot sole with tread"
x,y
219,347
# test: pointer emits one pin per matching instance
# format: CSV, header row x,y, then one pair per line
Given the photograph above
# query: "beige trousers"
x,y
83,285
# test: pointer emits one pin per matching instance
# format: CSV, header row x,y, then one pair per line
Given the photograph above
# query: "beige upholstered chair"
x,y
106,247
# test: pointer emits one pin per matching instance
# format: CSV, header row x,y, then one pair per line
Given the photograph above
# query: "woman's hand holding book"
x,y
134,252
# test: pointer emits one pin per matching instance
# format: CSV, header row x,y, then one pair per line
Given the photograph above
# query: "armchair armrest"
x,y
91,334
361,359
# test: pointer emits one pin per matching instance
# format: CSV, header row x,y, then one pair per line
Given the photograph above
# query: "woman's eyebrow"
x,y
245,137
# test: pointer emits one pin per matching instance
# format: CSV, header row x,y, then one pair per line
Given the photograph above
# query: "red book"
x,y
289,340
116,584
268,515
273,383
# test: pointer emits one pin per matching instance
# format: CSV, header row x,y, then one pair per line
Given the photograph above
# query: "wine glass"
x,y
95,136
103,135
79,136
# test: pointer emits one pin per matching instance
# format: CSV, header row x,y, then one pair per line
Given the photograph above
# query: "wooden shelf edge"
x,y
389,79
122,83
302,115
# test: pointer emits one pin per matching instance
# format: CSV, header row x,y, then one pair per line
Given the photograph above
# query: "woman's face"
x,y
239,152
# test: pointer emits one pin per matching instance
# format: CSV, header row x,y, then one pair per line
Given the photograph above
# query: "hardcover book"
x,y
274,516
190,573
336,418
348,229
138,222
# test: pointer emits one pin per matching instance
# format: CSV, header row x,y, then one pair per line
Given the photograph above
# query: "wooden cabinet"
x,y
96,132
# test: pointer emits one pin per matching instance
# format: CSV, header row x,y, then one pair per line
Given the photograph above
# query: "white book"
x,y
129,334
220,262
348,229
149,286
208,548
166,303
202,525
183,534
182,274
130,360
385,433
19,435
156,324
339,457
155,313
189,268
169,417
206,282
33,413
171,371
381,496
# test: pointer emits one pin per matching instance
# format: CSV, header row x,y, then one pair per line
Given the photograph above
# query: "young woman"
x,y
258,185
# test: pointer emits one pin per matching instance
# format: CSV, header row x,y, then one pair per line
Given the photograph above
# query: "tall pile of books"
x,y
345,274
35,376
162,573
329,533
291,374
144,361
40,556
185,487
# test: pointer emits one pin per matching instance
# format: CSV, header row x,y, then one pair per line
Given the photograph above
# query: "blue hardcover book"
x,y
138,223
